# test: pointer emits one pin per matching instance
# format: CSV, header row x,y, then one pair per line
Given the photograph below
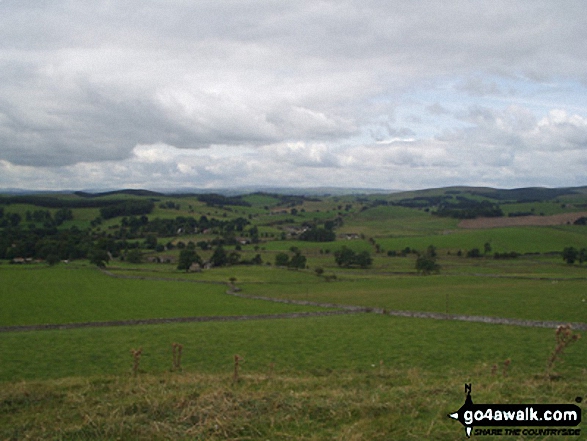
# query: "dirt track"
x,y
519,221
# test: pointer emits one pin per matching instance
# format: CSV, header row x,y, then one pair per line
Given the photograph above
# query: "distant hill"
x,y
130,192
527,194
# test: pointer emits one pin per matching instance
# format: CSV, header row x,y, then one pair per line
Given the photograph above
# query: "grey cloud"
x,y
478,87
437,109
87,81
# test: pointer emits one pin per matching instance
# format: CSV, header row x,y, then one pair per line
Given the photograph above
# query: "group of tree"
x,y
572,254
318,234
127,208
297,261
220,257
346,257
510,255
468,209
315,233
218,200
169,205
39,243
135,227
36,217
426,263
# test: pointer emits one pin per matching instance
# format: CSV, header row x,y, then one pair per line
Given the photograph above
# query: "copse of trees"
x,y
321,234
318,234
38,243
572,254
346,257
297,261
510,255
99,257
426,263
127,208
134,227
468,209
218,200
187,257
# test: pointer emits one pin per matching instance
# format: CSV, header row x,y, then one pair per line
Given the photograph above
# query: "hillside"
x,y
126,314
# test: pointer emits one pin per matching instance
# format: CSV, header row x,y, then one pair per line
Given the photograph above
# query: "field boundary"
x,y
158,321
522,221
422,314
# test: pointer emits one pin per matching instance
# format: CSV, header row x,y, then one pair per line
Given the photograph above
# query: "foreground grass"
x,y
381,404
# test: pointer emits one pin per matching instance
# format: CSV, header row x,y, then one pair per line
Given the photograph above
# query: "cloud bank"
x,y
405,94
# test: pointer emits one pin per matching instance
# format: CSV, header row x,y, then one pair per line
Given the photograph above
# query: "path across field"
x,y
428,315
336,309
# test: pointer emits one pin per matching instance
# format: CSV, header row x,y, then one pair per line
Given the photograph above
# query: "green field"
x,y
361,376
519,239
42,295
313,345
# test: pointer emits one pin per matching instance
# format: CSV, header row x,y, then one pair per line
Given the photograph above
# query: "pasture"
x,y
74,294
362,376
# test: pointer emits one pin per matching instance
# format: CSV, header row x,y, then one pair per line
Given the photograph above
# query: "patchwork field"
x,y
555,219
360,376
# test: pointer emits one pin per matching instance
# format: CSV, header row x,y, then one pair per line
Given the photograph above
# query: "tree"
x,y
346,257
187,258
134,256
570,254
52,259
233,258
254,233
427,265
487,248
474,253
219,258
151,241
363,259
99,258
297,261
282,259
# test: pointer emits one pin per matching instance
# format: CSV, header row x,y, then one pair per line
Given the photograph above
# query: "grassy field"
x,y
312,345
360,376
519,239
513,298
68,294
379,405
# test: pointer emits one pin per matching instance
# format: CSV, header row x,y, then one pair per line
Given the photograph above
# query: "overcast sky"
x,y
377,94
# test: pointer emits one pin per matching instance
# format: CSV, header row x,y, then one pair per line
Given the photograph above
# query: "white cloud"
x,y
230,93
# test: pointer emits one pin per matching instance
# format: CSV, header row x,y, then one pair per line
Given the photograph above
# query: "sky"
x,y
183,94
